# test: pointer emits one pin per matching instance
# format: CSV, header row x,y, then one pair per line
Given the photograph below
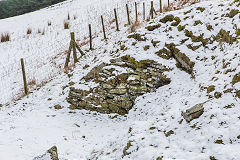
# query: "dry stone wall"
x,y
116,93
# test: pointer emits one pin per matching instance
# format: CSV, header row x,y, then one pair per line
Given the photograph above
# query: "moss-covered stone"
x,y
232,13
238,32
167,18
210,89
153,27
137,37
236,79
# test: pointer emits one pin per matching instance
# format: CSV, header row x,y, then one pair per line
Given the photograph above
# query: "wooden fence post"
x,y
168,3
68,55
90,36
115,12
24,77
136,12
160,6
143,11
104,34
74,47
128,14
152,9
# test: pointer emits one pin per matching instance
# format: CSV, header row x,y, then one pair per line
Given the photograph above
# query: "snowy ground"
x,y
30,126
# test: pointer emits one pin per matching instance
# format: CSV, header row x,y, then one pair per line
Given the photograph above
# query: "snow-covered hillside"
x,y
205,32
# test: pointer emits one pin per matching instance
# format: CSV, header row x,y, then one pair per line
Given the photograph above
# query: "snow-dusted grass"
x,y
43,50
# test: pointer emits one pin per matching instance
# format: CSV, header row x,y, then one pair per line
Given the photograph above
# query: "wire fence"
x,y
42,63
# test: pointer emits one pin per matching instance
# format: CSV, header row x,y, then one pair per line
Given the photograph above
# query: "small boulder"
x,y
193,113
51,154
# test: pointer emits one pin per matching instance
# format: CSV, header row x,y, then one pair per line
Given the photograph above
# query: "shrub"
x,y
5,37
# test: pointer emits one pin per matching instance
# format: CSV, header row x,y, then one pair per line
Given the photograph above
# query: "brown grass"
x,y
29,31
5,37
66,25
49,23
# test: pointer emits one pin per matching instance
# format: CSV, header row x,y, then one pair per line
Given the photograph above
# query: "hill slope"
x,y
204,34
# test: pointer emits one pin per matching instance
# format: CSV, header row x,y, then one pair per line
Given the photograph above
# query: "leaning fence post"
x,y
160,6
115,13
104,34
90,36
128,15
152,9
136,11
24,77
74,47
143,11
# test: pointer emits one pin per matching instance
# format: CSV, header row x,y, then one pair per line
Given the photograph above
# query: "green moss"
x,y
200,9
193,47
197,23
224,36
210,89
181,28
167,18
159,158
236,79
153,27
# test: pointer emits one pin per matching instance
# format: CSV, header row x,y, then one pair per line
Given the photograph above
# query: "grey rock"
x,y
193,113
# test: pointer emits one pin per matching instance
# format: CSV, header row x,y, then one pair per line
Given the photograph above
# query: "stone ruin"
x,y
118,84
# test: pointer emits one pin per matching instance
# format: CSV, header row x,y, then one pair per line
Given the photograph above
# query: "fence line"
x,y
43,63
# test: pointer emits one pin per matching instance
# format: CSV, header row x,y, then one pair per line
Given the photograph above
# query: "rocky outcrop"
x,y
51,154
118,85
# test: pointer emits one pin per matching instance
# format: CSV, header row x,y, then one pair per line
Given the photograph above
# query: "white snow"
x,y
30,126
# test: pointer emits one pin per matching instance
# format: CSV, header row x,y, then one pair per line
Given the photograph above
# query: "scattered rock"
x,y
193,113
219,141
217,95
58,106
169,133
